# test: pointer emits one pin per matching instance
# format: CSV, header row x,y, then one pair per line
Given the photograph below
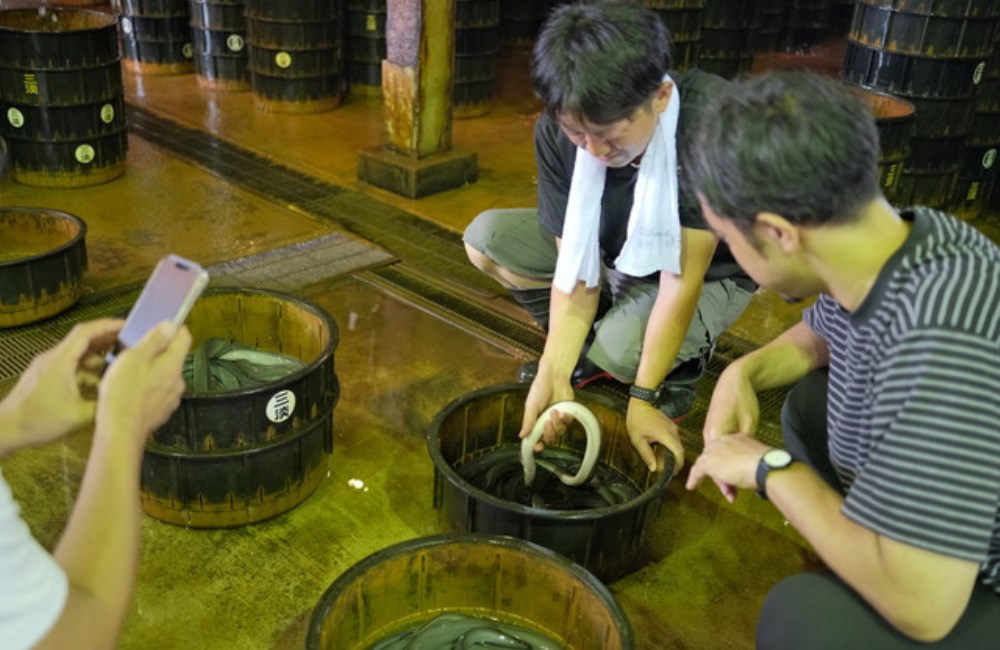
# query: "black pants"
x,y
814,611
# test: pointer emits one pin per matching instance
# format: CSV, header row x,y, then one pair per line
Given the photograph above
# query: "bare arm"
x,y
734,407
100,546
675,306
786,359
571,317
921,593
781,362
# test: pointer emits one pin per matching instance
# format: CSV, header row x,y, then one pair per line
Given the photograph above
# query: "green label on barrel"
x,y
15,117
989,158
84,154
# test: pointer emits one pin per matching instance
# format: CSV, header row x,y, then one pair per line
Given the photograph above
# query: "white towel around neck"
x,y
653,241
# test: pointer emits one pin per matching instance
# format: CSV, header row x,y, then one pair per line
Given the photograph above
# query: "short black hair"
x,y
600,61
798,144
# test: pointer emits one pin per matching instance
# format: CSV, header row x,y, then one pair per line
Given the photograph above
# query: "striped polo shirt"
x,y
914,394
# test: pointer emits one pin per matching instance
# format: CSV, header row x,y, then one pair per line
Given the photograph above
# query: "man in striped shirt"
x,y
892,469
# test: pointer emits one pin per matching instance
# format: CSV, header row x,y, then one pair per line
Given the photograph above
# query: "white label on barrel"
x,y
989,158
977,76
126,25
15,117
283,59
84,154
235,43
107,113
281,406
188,50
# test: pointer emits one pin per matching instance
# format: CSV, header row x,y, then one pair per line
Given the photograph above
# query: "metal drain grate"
x,y
298,266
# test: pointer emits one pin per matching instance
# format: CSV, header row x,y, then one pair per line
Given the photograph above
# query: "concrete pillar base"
x,y
414,178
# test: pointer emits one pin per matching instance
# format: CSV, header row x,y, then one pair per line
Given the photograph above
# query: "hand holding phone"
x,y
169,294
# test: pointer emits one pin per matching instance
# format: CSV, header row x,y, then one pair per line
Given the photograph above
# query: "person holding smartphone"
x,y
78,596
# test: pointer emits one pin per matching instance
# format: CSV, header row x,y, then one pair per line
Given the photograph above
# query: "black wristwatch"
x,y
772,460
651,395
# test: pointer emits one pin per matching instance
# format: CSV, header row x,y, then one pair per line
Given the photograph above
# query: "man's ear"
x,y
661,96
779,231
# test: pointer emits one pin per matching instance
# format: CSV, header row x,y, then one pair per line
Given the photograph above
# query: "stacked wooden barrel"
x,y
295,56
218,29
933,54
365,45
771,23
977,173
894,119
156,36
807,24
61,95
727,37
477,41
521,20
683,21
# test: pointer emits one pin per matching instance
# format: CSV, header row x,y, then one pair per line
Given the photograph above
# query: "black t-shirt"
x,y
555,156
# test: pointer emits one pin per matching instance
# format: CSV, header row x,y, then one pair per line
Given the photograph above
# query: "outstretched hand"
x,y
734,408
731,460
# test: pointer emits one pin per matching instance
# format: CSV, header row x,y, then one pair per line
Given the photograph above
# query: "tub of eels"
x,y
252,435
43,257
480,487
467,591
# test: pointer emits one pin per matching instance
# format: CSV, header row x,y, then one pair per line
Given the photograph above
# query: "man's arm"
x,y
921,593
734,407
675,306
571,317
786,359
781,362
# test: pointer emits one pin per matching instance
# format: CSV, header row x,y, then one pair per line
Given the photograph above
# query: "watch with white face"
x,y
773,459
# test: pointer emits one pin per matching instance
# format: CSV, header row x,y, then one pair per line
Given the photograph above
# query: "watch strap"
x,y
651,395
762,471
764,468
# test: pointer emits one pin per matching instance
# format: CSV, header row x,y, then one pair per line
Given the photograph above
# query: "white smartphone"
x,y
169,294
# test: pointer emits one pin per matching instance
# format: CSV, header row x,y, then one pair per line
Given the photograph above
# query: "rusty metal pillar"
x,y
417,158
